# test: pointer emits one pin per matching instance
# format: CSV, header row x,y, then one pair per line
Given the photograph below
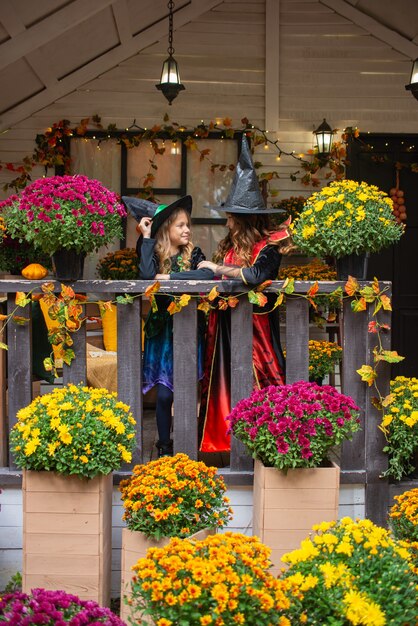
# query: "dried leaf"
x,y
48,287
367,374
264,285
184,299
351,286
386,303
68,356
232,302
390,356
125,299
313,290
149,291
257,298
21,321
387,401
289,285
174,307
214,293
67,292
21,299
359,305
204,306
3,346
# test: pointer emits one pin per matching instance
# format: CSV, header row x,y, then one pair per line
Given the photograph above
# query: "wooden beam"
x,y
121,15
104,63
37,60
272,112
375,28
49,28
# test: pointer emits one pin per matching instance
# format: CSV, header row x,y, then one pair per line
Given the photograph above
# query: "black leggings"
x,y
163,413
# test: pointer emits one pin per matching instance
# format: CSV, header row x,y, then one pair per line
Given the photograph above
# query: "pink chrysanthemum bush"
x,y
352,573
53,608
294,425
71,212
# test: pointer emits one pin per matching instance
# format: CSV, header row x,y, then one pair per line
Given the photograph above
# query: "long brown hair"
x,y
249,230
163,244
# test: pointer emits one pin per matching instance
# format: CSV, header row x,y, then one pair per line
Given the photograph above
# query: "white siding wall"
x,y
327,66
351,504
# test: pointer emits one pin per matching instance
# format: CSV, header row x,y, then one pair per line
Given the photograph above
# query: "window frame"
x,y
161,191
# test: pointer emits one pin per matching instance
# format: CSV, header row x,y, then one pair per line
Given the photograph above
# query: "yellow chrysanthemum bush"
x,y
345,218
174,497
74,430
353,572
400,426
323,357
220,581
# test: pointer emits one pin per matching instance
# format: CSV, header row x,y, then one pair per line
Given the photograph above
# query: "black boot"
x,y
165,449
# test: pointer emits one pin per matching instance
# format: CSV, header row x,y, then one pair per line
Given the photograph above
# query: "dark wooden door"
x,y
377,165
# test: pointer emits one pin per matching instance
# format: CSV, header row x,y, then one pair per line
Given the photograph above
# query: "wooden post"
x,y
185,380
19,363
241,372
130,366
297,339
354,344
4,431
376,461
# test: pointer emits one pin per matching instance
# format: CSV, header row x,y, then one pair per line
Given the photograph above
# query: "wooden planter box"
x,y
134,546
286,506
67,534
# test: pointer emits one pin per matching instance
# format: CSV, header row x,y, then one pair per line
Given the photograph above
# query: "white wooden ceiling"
x,y
50,48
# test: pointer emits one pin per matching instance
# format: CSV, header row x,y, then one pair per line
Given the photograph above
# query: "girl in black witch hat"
x,y
165,251
251,252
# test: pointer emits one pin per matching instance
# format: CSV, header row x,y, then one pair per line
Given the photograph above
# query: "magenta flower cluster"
x,y
294,425
69,211
53,608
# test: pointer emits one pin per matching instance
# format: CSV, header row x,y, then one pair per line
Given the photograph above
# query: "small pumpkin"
x,y
34,271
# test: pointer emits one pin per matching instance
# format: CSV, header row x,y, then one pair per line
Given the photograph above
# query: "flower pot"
x,y
68,264
286,506
67,541
352,265
134,546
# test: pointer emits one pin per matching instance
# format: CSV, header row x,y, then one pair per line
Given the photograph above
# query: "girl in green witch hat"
x,y
165,251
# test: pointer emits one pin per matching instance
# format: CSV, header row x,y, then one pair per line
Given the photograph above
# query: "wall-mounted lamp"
x,y
170,83
413,83
323,135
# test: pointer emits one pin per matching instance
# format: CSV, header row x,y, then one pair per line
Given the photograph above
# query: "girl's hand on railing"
x,y
162,276
208,265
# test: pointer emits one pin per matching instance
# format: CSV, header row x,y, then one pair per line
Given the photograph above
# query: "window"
x,y
176,172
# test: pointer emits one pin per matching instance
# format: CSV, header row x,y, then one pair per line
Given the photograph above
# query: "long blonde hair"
x,y
163,244
248,231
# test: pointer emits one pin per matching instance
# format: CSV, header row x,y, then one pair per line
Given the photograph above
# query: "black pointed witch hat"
x,y
245,196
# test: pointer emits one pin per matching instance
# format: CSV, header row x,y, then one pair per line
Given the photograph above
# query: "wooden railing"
x,y
362,459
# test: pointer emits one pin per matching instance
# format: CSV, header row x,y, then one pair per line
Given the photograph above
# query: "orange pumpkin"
x,y
34,271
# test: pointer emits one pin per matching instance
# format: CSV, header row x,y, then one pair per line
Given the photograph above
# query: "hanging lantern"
x,y
323,134
413,83
170,83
